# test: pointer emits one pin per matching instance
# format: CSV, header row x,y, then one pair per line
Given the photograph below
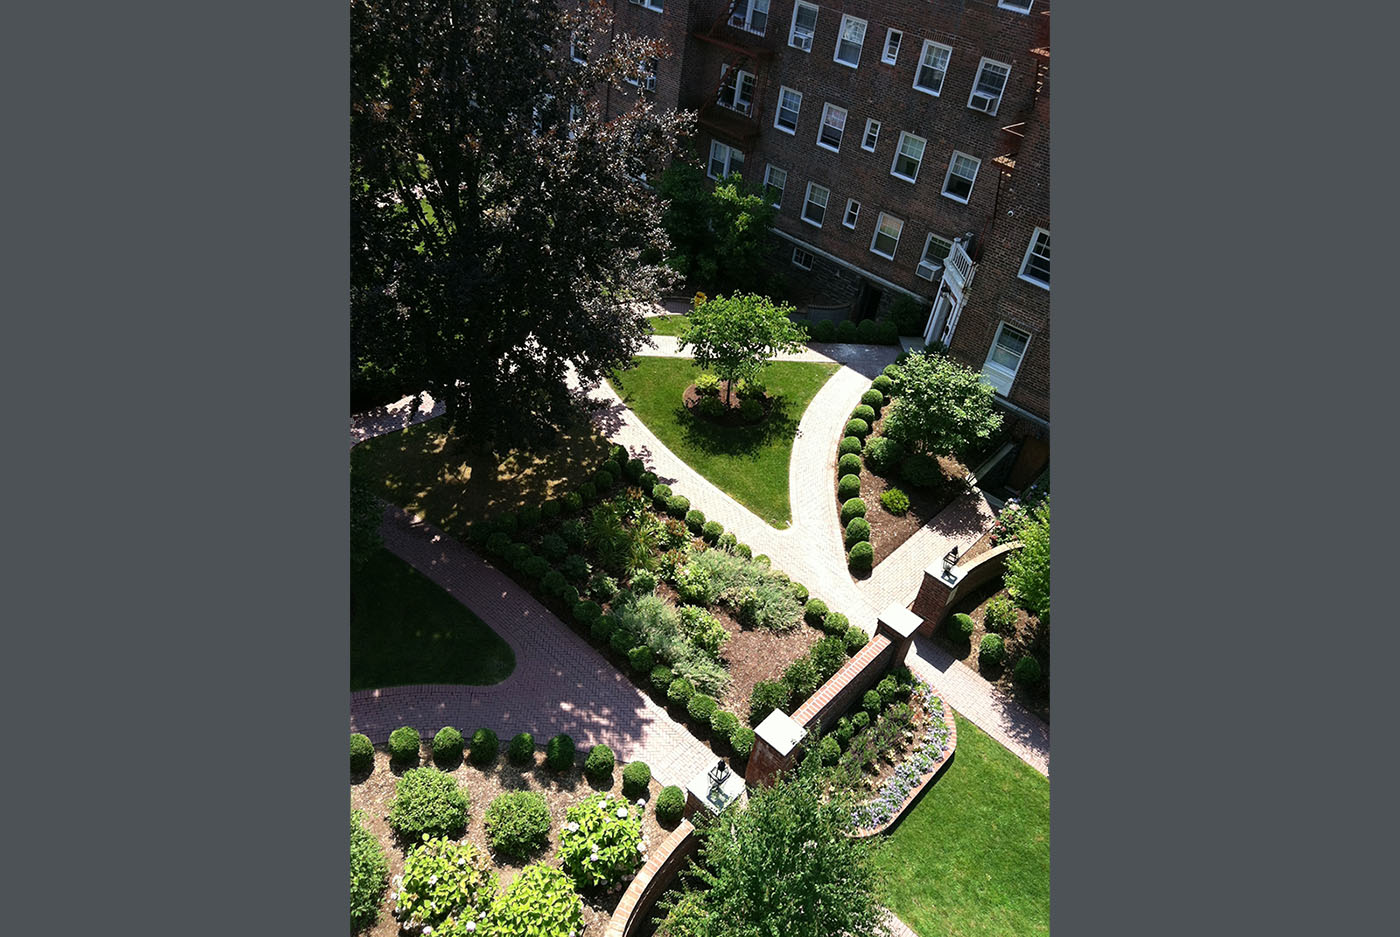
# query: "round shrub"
x,y
588,491
602,629
661,677
670,804
484,747
886,333
723,723
428,802
727,542
763,560
617,452
621,641
680,691
647,482
550,509
521,750
767,696
361,754
711,531
447,746
643,581
443,886
857,428
883,384
855,639
553,547
575,568
1027,671
824,331
529,516
751,410
855,507
891,371
993,649
535,569
540,902
635,778
861,720
701,707
894,501
559,753
744,550
711,407
498,543
829,751
888,688
815,612
369,874
661,493
517,823
741,742
867,330
572,502
883,454
828,655
873,399
857,531
641,658
604,479
836,623
849,444
921,470
634,470
847,332
404,745
960,627
600,841
695,520
587,611
861,558
864,412
871,702
677,505
1000,615
507,523
848,487
848,464
599,763
843,731
802,678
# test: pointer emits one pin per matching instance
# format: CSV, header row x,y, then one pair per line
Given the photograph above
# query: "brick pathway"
x,y
395,416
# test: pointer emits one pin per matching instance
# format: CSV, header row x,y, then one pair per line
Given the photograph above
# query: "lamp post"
x,y
949,559
718,775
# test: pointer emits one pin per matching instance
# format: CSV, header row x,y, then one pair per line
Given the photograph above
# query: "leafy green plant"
x,y
802,678
960,626
1028,569
711,531
661,677
723,724
680,691
828,656
815,612
601,841
943,406
661,494
884,384
1027,671
767,696
736,335
847,331
599,764
873,398
559,752
444,886
517,823
741,742
894,501
836,623
993,649
855,639
540,902
641,659
920,470
703,629
670,804
862,557
361,754
643,581
635,778
864,412
824,331
369,874
447,746
521,750
428,802
404,745
484,747
700,708
999,616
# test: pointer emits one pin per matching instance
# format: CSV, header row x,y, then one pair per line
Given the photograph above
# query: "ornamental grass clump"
x,y
601,841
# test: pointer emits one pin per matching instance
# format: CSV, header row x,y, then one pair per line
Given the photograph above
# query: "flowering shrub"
x,y
601,841
444,886
428,802
930,750
517,823
541,902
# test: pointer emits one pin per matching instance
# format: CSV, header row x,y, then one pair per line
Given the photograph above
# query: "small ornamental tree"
x,y
1028,569
943,406
735,336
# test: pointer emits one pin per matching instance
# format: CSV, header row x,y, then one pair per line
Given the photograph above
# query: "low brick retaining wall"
x,y
654,878
936,596
847,685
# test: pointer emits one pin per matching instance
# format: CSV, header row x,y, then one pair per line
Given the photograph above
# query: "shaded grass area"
x,y
429,470
750,463
972,859
669,325
405,629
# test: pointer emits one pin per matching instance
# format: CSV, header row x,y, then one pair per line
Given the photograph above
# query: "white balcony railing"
x,y
959,266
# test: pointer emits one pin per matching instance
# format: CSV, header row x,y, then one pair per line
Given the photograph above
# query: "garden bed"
x,y
729,401
1025,638
889,532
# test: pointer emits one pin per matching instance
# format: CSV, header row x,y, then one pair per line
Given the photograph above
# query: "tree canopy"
x,y
719,238
941,406
497,227
1028,569
735,336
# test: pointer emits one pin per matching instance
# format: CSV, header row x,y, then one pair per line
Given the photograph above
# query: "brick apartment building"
x,y
906,145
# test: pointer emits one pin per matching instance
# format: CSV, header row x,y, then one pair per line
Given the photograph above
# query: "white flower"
x,y
622,813
428,929
641,801
641,847
433,880
471,925
573,827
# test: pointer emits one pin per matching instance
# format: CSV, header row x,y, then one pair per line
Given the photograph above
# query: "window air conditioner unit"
x,y
803,42
744,107
649,83
981,102
927,270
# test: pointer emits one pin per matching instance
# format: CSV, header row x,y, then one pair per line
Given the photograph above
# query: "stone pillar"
x,y
898,625
775,741
702,796
934,592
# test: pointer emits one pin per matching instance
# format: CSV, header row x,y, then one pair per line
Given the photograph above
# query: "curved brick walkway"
x,y
391,417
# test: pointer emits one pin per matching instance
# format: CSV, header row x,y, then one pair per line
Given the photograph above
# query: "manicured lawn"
x,y
428,470
405,629
749,463
669,325
972,859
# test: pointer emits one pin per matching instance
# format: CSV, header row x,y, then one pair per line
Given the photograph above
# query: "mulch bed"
x,y
374,794
1023,641
731,415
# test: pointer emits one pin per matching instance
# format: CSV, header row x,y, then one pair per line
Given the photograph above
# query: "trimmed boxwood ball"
x,y
695,520
873,399
848,487
843,731
867,330
871,702
521,750
861,720
701,707
850,444
993,649
535,569
741,742
888,688
960,626
856,638
559,752
587,611
550,509
847,332
799,592
621,641
829,751
1027,671
587,491
815,612
848,464
404,744
498,543
661,493
648,481
641,658
599,763
824,331
723,723
635,778
670,804
836,623
886,333
891,371
484,747
855,507
857,428
677,506
680,691
572,502
711,531
727,542
602,629
744,550
617,452
883,384
603,479
507,523
894,501
529,515
447,746
634,470
661,677
361,754
857,531
864,412
428,802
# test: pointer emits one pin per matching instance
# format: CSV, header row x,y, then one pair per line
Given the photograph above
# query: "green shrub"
x,y
857,531
1027,671
507,523
921,470
836,623
599,763
447,746
661,677
848,487
622,641
404,745
847,332
799,592
891,371
894,501
529,515
873,399
855,639
661,493
849,444
712,531
572,502
864,412
484,747
647,482
711,407
559,753
767,696
550,509
1000,615
670,804
361,754
727,542
763,560
960,626
867,331
744,550
635,778
751,410
677,505
707,385
602,630
428,802
884,385
600,841
641,659
824,331
634,470
695,520
723,724
498,543
828,656
993,649
861,720
575,568
603,587
643,582
829,751
857,428
603,480
848,464
886,333
553,547
843,731
521,750
588,491
517,823
443,881
883,454
855,507
871,702
680,691
741,742
535,569
802,678
815,612
369,874
700,708
888,688
540,902
586,612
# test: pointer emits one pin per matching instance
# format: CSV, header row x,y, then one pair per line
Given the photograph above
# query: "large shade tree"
x,y
735,336
497,230
941,406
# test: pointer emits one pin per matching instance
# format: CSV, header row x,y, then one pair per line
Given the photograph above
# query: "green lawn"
x,y
405,629
669,325
749,463
972,859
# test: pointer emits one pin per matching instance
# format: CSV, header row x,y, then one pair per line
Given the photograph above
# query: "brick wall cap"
x,y
900,620
780,732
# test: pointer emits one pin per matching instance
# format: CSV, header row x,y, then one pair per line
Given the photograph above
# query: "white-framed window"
x,y
872,135
988,86
576,50
649,4
933,67
645,75
575,115
833,128
804,26
849,40
724,159
1020,6
814,205
908,157
789,106
852,213
736,90
1035,266
962,172
886,239
750,16
893,38
1005,357
935,252
802,258
774,181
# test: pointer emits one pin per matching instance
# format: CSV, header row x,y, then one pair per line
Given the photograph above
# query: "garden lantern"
x,y
949,559
718,775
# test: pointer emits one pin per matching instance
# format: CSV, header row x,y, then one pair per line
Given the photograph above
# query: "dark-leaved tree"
x,y
497,230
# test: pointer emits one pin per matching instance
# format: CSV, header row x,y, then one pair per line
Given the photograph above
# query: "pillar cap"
x,y
899,620
780,732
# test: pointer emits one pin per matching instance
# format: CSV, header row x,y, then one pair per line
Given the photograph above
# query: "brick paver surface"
x,y
395,416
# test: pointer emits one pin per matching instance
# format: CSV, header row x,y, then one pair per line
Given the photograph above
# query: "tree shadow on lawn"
x,y
738,441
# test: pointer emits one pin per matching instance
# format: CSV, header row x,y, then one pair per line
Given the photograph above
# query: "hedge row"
x,y
866,332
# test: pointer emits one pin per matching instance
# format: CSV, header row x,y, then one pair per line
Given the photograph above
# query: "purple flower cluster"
x,y
932,749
